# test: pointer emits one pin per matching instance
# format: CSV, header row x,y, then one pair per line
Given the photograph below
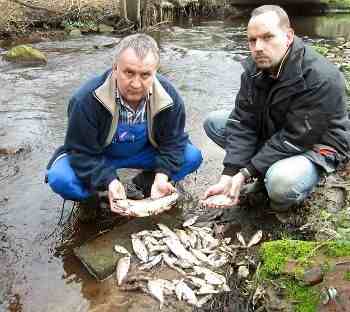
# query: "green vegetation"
x,y
321,49
338,248
336,3
305,298
276,253
347,276
83,25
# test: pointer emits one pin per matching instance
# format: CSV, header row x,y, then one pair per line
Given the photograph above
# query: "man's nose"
x,y
136,82
259,44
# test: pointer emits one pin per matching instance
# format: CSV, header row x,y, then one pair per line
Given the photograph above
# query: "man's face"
x,y
134,75
268,42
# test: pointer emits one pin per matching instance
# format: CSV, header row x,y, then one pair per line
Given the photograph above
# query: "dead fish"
x,y
198,282
206,290
140,249
121,249
183,237
193,238
156,289
190,221
147,207
179,250
166,231
123,267
211,277
200,255
241,239
219,200
171,264
157,234
184,292
151,264
204,300
255,239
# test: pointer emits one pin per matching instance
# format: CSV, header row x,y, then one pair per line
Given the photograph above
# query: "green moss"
x,y
305,298
321,49
338,248
275,254
347,276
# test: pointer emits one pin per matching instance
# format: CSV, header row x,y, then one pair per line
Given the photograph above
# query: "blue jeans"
x,y
288,181
64,181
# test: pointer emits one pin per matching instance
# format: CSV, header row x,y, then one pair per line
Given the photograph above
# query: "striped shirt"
x,y
127,115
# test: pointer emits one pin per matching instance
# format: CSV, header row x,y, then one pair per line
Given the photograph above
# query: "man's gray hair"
x,y
283,16
142,44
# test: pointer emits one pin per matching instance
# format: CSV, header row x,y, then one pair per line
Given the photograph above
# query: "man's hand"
x,y
161,187
116,191
228,186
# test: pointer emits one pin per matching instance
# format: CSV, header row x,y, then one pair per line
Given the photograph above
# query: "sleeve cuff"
x,y
253,171
230,170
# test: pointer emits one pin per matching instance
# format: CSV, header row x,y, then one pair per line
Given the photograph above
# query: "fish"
x,y
140,249
241,239
151,264
206,290
156,289
147,207
190,221
183,237
121,249
198,282
166,231
200,255
171,264
210,276
203,300
219,200
255,239
179,250
122,270
182,291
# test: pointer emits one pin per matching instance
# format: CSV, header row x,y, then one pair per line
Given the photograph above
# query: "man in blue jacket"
x,y
289,125
129,117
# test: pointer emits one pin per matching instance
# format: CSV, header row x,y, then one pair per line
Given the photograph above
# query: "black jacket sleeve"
x,y
241,134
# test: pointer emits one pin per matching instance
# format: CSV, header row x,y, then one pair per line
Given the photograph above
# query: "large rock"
x,y
25,54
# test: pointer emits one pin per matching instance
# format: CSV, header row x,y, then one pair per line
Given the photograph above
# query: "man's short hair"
x,y
283,16
142,44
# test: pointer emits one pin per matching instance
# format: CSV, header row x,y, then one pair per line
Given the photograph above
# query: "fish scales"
x,y
179,250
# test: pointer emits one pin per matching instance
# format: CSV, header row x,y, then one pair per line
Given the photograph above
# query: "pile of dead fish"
x,y
192,251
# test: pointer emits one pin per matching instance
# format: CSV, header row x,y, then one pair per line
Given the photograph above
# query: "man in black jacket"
x,y
289,124
128,117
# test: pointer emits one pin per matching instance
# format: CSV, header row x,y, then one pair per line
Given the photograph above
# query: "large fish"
x,y
122,269
147,207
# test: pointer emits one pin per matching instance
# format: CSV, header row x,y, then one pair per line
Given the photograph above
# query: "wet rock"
x,y
102,28
25,54
313,276
75,33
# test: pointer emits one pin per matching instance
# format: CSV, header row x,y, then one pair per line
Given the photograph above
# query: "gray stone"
x,y
75,33
103,28
313,276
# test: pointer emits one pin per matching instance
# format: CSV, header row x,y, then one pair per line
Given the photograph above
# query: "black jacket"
x,y
93,120
277,118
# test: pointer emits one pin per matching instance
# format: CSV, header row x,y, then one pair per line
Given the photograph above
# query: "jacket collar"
x,y
106,94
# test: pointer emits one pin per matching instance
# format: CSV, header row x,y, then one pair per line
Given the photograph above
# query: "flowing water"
x,y
202,58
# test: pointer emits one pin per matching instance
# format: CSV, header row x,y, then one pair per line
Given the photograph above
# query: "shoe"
x,y
144,182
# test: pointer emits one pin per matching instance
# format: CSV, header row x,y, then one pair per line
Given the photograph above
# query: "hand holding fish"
x,y
224,194
161,187
116,191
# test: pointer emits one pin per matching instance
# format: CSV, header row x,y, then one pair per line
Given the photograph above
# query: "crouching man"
x,y
129,117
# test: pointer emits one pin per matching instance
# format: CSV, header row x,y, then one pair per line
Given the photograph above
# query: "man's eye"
x,y
129,73
251,41
146,75
268,37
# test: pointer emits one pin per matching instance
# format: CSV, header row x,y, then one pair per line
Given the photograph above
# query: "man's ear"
x,y
290,36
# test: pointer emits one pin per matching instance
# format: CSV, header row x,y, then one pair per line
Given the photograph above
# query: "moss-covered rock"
x,y
25,54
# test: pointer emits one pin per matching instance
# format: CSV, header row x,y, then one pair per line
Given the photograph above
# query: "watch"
x,y
245,172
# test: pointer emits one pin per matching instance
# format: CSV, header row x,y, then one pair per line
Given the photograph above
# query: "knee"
x,y
193,157
290,180
215,122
